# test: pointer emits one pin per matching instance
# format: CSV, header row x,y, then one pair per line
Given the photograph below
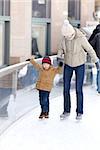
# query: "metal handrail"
x,y
12,68
15,67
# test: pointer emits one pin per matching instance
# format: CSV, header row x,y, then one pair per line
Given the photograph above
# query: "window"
x,y
4,42
4,7
1,44
38,40
74,9
7,8
1,7
41,8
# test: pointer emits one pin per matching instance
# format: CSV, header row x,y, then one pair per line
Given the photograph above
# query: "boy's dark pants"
x,y
68,72
44,100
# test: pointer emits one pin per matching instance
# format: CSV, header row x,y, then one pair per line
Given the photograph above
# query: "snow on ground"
x,y
30,133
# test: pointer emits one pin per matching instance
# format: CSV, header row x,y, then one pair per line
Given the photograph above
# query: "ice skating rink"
x,y
30,133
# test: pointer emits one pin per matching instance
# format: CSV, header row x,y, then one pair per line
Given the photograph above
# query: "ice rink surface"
x,y
30,133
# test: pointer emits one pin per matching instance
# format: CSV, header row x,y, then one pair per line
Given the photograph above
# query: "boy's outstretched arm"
x,y
35,64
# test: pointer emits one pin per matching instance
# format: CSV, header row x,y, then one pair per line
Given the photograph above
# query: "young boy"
x,y
45,82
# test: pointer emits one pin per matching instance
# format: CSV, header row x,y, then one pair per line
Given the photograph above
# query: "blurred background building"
x,y
33,27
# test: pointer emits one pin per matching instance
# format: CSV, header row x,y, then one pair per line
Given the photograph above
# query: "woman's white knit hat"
x,y
67,29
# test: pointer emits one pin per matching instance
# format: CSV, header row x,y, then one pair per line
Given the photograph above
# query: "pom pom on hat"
x,y
67,29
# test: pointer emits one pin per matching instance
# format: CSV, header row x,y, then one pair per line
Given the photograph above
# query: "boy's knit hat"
x,y
67,29
47,60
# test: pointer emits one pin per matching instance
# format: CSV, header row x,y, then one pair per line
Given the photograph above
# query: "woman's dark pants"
x,y
79,73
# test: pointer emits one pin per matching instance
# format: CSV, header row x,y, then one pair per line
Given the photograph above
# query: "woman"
x,y
75,47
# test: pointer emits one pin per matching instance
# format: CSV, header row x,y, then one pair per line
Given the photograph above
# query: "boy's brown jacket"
x,y
46,77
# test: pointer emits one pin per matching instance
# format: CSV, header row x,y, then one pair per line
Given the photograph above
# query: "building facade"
x,y
38,27
33,27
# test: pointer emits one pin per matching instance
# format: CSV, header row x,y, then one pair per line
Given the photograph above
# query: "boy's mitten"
x,y
60,64
28,59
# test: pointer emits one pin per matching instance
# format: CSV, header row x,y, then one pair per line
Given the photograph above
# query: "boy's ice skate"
x,y
64,115
41,115
46,115
79,116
